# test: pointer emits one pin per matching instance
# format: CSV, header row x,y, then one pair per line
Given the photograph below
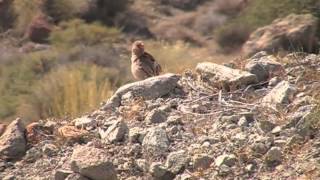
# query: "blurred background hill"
x,y
62,58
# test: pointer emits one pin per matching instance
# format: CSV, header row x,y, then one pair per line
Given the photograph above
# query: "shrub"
x,y
6,15
61,10
183,4
77,32
70,91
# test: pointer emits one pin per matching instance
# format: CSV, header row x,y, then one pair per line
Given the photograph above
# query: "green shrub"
x,y
77,32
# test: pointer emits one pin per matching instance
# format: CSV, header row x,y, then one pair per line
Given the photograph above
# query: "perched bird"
x,y
143,65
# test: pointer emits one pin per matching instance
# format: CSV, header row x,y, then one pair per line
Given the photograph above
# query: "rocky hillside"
x,y
255,119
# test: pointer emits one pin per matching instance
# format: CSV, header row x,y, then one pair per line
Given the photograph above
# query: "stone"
x,y
85,122
76,176
264,67
273,156
61,174
249,168
13,143
266,126
147,89
142,165
177,161
290,33
259,149
230,79
174,120
156,141
136,135
202,161
39,29
92,163
50,149
282,94
115,133
274,81
226,159
243,122
156,116
159,172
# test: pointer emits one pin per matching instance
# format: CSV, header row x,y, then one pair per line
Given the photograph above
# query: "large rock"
x,y
264,66
292,32
92,163
13,143
177,161
156,141
150,88
116,132
225,77
282,94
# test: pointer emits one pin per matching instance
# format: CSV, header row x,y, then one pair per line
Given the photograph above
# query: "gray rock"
x,y
150,88
9,177
13,142
273,156
243,122
85,122
156,116
159,172
49,149
266,126
226,159
217,75
156,141
177,161
174,120
143,165
115,133
281,94
76,176
264,67
61,174
92,163
136,135
202,161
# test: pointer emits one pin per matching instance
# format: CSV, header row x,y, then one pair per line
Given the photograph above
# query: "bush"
x,y
183,4
77,32
70,91
6,15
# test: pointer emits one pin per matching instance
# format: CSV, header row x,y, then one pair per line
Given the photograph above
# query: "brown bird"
x,y
143,65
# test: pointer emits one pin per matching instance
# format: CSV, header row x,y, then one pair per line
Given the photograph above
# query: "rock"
x,y
85,122
76,176
177,161
49,149
159,172
185,176
136,135
174,120
37,132
150,88
116,132
280,95
32,155
156,141
243,122
291,33
61,174
273,156
13,143
264,67
156,116
92,163
39,29
266,126
226,159
2,128
9,177
274,81
217,75
249,168
202,161
143,165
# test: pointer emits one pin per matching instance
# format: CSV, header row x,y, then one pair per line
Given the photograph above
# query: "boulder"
x,y
92,163
281,94
156,141
264,66
150,88
177,161
39,29
13,143
290,33
224,77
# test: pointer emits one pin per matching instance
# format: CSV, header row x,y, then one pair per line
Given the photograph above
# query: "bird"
x,y
143,64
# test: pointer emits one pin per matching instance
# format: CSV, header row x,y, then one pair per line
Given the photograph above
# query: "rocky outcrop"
x,y
13,144
290,33
228,78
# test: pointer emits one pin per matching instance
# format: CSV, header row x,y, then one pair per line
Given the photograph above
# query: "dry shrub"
x,y
183,4
207,21
6,15
171,31
229,7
